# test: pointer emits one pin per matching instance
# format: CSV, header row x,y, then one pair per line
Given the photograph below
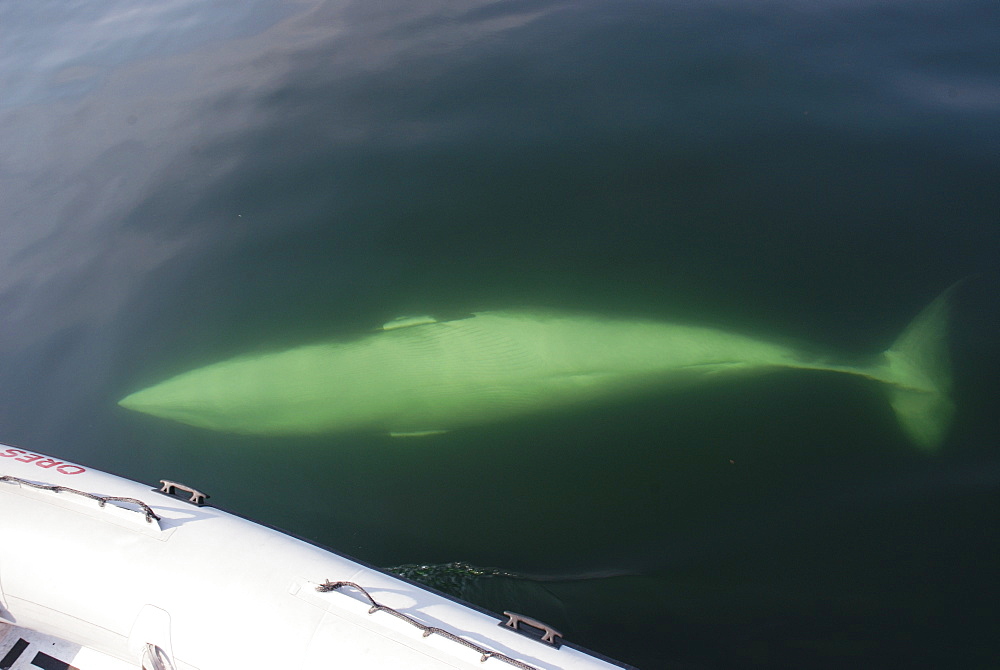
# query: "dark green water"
x,y
185,182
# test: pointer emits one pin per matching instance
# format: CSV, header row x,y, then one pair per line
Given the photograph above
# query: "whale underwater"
x,y
420,375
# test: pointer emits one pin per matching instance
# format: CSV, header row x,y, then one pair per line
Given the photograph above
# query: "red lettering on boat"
x,y
42,461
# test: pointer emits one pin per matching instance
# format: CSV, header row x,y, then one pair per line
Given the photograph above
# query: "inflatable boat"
x,y
98,572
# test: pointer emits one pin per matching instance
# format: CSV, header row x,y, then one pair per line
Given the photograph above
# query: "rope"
x,y
101,500
485,654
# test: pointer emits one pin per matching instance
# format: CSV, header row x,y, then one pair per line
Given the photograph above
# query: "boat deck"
x,y
24,649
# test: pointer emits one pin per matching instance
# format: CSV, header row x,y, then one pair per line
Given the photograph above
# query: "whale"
x,y
420,375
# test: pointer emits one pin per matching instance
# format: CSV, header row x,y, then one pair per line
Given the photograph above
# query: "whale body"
x,y
419,375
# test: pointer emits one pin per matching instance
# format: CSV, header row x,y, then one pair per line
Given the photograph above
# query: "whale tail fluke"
x,y
917,368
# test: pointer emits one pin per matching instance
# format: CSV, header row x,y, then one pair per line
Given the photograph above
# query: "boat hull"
x,y
83,561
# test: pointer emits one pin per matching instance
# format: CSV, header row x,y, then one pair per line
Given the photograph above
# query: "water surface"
x,y
182,182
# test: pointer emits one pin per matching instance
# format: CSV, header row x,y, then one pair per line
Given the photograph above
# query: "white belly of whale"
x,y
421,376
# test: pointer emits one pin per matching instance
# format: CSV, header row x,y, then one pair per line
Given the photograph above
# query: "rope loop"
x,y
485,654
101,500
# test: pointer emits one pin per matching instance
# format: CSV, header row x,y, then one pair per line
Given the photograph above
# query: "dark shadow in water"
x,y
865,570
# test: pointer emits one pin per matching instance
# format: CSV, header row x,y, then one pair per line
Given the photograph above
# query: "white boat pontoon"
x,y
102,573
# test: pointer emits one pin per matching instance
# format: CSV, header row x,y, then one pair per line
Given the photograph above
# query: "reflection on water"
x,y
183,183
